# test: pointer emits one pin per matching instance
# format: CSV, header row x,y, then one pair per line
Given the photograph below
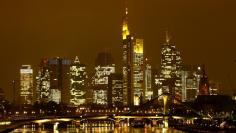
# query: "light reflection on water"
x,y
110,129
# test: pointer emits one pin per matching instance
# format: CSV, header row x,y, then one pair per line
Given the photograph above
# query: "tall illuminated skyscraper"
x,y
170,73
43,82
138,72
104,66
127,60
26,85
78,78
133,68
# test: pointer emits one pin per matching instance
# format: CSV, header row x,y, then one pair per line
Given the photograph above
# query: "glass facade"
x,y
78,78
26,85
169,80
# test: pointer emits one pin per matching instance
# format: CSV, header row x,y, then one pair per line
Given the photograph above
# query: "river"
x,y
110,129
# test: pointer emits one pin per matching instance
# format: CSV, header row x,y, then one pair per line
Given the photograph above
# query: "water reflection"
x,y
70,128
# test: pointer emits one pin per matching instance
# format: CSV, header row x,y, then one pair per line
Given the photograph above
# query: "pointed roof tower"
x,y
76,60
167,37
125,30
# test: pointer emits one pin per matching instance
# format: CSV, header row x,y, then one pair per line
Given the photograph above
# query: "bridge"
x,y
115,116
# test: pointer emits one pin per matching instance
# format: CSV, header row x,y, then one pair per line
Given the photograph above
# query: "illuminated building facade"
x,y
204,85
43,82
26,85
115,90
78,78
55,95
104,67
60,77
169,80
214,87
133,66
148,81
127,61
138,72
191,75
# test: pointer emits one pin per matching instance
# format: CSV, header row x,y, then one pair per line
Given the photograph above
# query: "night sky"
x,y
204,31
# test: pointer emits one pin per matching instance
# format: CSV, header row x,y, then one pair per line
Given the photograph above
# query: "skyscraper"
x,y
115,90
78,78
60,78
204,84
133,68
170,73
191,75
104,66
148,81
43,82
138,72
26,85
127,61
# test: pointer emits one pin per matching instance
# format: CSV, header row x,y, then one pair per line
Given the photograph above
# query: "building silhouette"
x,y
204,84
59,79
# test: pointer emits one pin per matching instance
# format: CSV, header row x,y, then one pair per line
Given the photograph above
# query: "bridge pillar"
x,y
128,122
55,126
117,122
154,122
165,119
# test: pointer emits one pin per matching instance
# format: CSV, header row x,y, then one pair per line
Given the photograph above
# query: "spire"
x,y
167,37
76,59
126,11
125,30
126,7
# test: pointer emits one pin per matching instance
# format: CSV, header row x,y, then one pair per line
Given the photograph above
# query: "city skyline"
x,y
35,35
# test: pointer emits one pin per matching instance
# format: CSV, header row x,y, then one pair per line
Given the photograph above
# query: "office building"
x,y
43,82
204,84
60,77
78,77
104,66
169,80
115,90
26,85
133,66
191,75
148,81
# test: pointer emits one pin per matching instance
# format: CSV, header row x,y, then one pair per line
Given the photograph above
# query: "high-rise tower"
x,y
59,79
43,82
170,73
133,66
204,84
138,72
26,85
148,80
78,78
127,45
104,67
